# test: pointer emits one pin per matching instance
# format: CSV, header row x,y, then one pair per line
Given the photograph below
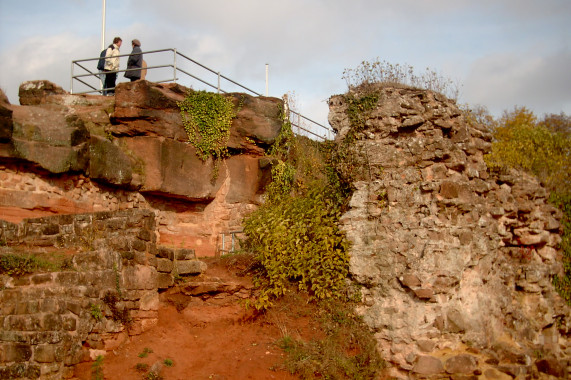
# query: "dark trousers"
x,y
110,79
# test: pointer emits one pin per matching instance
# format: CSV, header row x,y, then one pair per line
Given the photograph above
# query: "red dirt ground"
x,y
210,340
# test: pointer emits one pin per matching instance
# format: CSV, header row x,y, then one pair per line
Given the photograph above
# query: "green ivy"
x,y
207,118
357,109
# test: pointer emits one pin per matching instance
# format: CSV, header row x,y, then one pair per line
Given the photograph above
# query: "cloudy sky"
x,y
502,53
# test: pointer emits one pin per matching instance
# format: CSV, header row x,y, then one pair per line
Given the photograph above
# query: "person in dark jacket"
x,y
135,62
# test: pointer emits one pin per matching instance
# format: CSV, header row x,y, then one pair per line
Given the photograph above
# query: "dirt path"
x,y
214,339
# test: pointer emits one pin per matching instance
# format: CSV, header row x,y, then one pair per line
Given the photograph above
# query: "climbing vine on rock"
x,y
207,118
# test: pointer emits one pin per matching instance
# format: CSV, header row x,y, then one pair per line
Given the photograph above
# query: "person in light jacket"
x,y
112,65
135,62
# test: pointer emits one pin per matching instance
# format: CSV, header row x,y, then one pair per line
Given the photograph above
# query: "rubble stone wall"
x,y
453,260
109,290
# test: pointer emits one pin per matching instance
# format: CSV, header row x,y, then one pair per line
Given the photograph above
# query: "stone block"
x,y
20,371
16,352
74,307
69,323
146,234
193,267
164,265
44,353
67,278
165,280
464,364
424,294
449,189
551,366
426,345
455,322
428,366
184,254
52,322
138,245
50,305
149,301
42,278
165,252
409,280
139,277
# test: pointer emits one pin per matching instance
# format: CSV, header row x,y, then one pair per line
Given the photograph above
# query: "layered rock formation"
x,y
124,197
63,153
455,263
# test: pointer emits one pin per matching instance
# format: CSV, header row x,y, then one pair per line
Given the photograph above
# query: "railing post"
x,y
219,82
174,65
267,93
71,82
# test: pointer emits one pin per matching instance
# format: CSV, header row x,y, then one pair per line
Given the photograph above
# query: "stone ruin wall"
x,y
65,154
180,224
111,182
455,263
48,323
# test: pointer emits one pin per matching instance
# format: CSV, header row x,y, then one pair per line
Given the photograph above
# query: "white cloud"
x,y
542,82
504,52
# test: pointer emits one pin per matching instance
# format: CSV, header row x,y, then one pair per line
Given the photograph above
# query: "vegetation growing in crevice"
x,y
370,74
19,263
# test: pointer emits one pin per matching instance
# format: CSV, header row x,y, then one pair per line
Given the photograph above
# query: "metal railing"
x,y
234,243
94,84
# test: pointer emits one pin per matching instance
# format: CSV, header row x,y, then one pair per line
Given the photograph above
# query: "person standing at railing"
x,y
135,62
112,65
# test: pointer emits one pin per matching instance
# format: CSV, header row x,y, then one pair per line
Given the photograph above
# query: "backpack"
x,y
101,62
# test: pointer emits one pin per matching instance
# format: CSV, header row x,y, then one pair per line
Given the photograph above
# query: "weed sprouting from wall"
x,y
383,72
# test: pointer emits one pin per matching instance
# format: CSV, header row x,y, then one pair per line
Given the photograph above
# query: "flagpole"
x,y
102,43
103,27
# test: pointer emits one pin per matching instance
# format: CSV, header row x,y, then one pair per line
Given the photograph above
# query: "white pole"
x,y
267,79
103,27
102,41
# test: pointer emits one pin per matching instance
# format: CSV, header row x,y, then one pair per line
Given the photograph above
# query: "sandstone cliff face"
x,y
455,263
63,153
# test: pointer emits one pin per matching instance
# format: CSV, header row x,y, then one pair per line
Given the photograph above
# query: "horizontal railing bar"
x,y
216,73
198,79
308,119
308,131
122,55
119,71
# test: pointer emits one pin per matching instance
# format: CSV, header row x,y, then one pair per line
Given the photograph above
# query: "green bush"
x,y
295,234
297,240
